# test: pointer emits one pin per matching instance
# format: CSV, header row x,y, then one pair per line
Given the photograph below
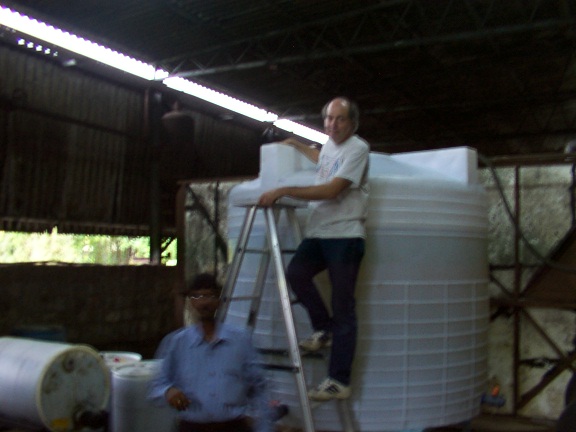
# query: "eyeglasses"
x,y
202,297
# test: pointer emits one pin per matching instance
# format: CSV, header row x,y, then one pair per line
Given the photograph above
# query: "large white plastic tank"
x,y
422,299
50,384
131,409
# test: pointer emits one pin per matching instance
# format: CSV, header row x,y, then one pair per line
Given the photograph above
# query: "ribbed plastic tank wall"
x,y
422,298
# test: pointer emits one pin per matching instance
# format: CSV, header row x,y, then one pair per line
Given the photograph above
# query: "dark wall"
x,y
78,152
126,308
81,151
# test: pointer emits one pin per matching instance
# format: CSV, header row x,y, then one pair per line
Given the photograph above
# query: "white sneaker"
x,y
329,389
316,341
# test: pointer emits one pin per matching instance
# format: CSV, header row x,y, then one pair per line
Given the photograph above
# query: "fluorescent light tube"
x,y
301,130
219,99
86,48
70,42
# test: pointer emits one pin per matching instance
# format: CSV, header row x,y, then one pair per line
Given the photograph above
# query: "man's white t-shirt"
x,y
345,215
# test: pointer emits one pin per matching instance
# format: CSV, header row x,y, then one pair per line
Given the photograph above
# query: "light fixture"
x,y
37,47
86,48
301,130
70,42
220,99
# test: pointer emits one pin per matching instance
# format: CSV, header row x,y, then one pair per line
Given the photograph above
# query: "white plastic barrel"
x,y
131,410
422,299
49,384
115,359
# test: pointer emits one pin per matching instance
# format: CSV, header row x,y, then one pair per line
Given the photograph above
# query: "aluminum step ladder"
x,y
273,250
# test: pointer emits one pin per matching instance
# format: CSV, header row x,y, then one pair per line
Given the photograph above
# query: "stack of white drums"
x,y
131,409
114,360
422,299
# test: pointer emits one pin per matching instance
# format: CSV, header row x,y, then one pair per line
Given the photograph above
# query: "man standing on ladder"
x,y
334,240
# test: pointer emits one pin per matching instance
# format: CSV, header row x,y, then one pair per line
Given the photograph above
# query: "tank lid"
x,y
141,369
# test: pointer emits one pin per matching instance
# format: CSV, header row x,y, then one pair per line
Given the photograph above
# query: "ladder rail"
x,y
259,287
234,268
294,352
262,273
345,415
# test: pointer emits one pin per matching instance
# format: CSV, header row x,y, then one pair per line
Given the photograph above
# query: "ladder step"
x,y
279,367
285,353
246,298
242,298
261,251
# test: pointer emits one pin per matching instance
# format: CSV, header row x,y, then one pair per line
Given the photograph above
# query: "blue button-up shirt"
x,y
222,378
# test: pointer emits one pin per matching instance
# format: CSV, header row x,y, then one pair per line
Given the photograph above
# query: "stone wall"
x,y
545,208
120,308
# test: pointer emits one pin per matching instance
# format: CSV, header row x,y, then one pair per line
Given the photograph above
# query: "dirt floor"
x,y
496,423
486,423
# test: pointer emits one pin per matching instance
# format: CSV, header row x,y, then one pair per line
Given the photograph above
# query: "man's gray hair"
x,y
353,110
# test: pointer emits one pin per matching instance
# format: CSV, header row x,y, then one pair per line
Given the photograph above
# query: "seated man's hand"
x,y
177,399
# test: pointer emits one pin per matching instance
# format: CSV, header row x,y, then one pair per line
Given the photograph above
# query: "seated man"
x,y
210,371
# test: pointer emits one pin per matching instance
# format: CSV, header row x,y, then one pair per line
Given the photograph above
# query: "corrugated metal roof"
x,y
495,74
76,152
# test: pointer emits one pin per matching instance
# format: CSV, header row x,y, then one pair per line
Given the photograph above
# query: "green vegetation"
x,y
18,247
